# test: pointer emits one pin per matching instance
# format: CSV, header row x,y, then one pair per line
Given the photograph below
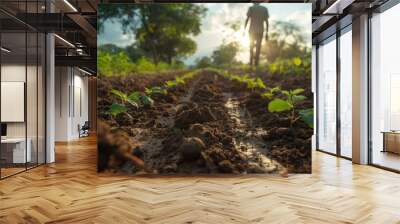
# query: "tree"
x,y
204,62
110,48
286,40
135,52
225,54
163,30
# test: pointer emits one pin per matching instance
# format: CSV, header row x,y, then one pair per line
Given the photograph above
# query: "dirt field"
x,y
209,124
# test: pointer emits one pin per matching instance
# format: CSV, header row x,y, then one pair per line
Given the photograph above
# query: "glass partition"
x,y
22,91
41,96
385,89
327,96
346,93
32,95
13,104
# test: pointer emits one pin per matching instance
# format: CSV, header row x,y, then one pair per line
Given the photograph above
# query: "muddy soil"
x,y
290,145
210,125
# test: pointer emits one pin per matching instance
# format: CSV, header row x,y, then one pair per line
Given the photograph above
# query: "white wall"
x,y
62,81
9,73
71,94
16,73
80,110
33,127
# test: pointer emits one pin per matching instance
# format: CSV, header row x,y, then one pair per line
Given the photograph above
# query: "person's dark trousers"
x,y
255,41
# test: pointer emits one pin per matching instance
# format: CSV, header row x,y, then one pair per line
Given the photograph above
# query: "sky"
x,y
213,30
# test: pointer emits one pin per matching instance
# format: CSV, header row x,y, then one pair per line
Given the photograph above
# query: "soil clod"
x,y
191,148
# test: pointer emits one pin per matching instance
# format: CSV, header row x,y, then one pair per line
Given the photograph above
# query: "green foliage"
x,y
288,104
132,99
114,64
293,66
165,31
138,99
204,62
110,48
155,90
292,97
271,92
251,83
297,91
268,95
279,105
297,61
286,40
170,84
146,100
120,94
225,54
145,65
116,109
307,116
121,65
135,99
179,80
260,84
135,52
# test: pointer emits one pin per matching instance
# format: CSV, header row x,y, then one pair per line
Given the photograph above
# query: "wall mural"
x,y
204,88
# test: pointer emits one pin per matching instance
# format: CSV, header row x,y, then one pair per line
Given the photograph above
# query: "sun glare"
x,y
244,44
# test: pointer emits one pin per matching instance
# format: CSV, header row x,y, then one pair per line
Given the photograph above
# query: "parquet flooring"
x,y
70,191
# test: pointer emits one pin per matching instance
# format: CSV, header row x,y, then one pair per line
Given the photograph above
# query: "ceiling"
x,y
330,15
73,21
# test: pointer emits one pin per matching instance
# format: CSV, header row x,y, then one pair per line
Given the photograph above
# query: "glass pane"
x,y
346,94
13,86
314,85
22,88
31,98
327,96
41,99
385,89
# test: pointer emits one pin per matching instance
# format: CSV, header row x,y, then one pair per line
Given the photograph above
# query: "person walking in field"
x,y
257,14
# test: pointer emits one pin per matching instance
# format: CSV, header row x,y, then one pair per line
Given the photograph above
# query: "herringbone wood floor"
x,y
70,191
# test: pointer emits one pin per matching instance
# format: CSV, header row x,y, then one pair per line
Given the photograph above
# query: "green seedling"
x,y
132,99
155,90
307,116
116,109
122,96
170,84
188,75
180,80
271,92
255,83
146,101
292,98
260,84
237,78
251,83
